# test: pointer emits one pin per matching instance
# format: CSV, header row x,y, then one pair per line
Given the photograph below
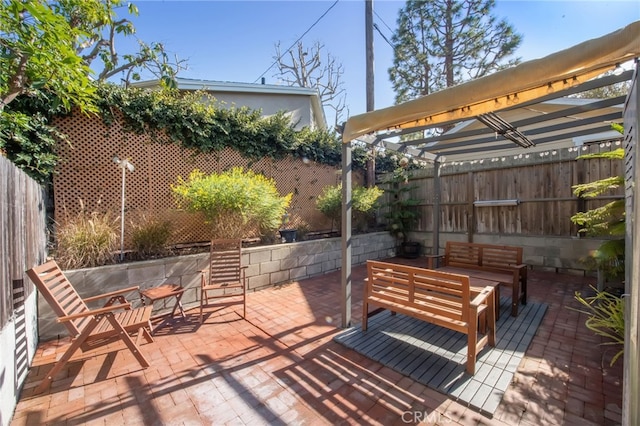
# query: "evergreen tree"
x,y
441,43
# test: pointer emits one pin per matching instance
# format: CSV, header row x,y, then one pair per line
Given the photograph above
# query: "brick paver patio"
x,y
280,366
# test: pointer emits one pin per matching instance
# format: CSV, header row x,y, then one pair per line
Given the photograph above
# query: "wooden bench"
x,y
489,262
439,298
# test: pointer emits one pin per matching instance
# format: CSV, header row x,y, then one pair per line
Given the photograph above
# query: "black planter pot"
x,y
409,250
288,235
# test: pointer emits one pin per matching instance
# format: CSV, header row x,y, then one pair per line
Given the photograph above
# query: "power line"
x,y
295,42
382,35
380,18
379,31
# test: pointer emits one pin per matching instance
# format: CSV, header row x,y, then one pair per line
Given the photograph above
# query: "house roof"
x,y
235,87
493,112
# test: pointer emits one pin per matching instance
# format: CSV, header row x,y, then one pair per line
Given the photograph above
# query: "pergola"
x,y
508,112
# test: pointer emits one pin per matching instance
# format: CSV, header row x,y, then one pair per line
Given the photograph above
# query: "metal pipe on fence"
x,y
124,165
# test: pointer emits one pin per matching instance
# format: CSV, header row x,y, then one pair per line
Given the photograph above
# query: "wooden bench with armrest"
x,y
440,298
489,262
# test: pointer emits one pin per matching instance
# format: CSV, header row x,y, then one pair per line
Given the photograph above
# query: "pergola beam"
x,y
414,152
593,106
572,125
588,85
496,147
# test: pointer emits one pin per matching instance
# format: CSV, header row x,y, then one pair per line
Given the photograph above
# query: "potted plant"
x,y
287,233
402,212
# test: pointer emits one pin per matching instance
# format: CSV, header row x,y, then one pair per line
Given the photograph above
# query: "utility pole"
x,y
368,20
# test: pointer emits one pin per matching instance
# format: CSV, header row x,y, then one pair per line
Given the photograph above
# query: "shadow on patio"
x,y
281,366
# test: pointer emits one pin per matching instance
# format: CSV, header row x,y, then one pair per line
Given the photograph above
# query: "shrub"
x,y
330,202
234,203
86,240
150,237
605,310
303,230
364,203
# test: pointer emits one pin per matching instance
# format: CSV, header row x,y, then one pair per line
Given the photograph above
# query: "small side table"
x,y
163,292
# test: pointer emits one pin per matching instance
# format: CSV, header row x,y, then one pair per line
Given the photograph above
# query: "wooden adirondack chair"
x,y
90,328
225,275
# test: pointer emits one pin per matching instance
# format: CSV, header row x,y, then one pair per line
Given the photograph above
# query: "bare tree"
x,y
306,68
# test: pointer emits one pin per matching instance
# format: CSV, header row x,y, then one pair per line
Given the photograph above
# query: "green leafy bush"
x,y
234,203
28,141
330,202
303,230
605,310
150,237
364,200
194,121
87,240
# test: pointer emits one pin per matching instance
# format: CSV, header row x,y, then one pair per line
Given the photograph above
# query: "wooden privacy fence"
x,y
24,238
87,174
23,241
541,182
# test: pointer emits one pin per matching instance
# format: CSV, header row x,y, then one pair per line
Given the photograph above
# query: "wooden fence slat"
x,y
23,243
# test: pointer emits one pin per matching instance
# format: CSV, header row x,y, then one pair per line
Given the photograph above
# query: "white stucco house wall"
x,y
302,104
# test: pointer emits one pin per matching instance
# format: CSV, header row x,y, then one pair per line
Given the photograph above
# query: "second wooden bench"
x,y
489,262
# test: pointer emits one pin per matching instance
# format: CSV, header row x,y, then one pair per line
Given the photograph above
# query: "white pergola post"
x,y
631,358
436,208
345,295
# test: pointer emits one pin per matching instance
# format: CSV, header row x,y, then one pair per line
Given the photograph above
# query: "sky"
x,y
235,41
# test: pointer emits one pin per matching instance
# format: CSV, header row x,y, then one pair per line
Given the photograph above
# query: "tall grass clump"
x,y
86,240
150,237
606,317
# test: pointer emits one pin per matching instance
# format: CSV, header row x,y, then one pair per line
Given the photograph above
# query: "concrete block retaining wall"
x,y
266,266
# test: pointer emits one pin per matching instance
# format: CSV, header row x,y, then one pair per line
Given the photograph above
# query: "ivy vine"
x,y
196,122
193,120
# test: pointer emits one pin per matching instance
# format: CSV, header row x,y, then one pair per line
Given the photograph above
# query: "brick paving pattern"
x,y
280,366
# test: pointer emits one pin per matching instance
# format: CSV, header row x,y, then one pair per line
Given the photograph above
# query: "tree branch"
x,y
87,59
106,74
16,84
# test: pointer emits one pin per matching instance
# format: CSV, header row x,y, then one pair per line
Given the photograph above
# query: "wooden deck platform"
x,y
435,356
